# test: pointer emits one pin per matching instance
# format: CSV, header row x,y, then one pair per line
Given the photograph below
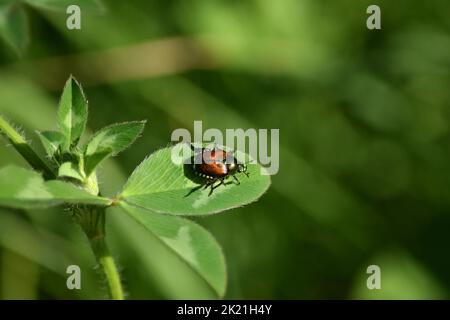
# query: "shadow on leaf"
x,y
189,172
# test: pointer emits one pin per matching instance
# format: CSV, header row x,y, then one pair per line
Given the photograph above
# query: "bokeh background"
x,y
364,130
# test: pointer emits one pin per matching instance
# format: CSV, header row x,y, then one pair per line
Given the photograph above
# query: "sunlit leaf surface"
x,y
110,141
161,185
72,113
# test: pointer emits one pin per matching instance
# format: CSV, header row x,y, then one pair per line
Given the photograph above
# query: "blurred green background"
x,y
364,131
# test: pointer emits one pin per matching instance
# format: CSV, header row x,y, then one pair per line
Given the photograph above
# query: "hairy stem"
x,y
92,221
109,267
20,144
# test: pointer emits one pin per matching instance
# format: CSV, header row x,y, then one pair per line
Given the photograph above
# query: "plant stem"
x,y
92,221
90,218
109,267
24,149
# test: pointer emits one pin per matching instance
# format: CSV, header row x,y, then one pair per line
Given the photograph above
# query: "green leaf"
x,y
22,188
19,142
110,141
72,113
191,242
92,161
51,140
70,170
95,6
68,193
162,186
14,27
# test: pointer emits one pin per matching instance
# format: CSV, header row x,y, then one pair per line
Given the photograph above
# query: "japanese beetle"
x,y
216,165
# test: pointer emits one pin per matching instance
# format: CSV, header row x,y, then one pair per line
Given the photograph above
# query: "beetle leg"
x,y
211,190
209,183
193,190
236,179
222,182
217,185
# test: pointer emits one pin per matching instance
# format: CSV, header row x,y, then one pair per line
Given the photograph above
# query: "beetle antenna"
x,y
194,148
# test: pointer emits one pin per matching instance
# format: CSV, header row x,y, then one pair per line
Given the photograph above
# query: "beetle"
x,y
216,165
